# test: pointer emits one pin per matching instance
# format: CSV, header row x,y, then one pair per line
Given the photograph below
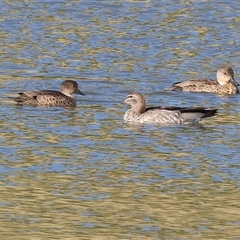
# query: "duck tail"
x,y
174,88
209,113
196,114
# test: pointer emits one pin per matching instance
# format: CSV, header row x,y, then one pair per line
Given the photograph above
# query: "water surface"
x,y
82,173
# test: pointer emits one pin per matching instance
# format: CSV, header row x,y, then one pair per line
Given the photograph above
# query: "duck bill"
x,y
79,92
124,101
232,80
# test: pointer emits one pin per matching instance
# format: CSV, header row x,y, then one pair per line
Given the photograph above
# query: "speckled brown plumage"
x,y
225,83
162,115
51,97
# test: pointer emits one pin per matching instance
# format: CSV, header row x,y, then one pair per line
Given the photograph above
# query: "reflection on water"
x,y
83,173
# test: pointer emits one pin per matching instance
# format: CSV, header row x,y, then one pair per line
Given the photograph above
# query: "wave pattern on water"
x,y
85,174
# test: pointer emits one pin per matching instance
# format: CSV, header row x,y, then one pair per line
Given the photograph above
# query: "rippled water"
x,y
83,173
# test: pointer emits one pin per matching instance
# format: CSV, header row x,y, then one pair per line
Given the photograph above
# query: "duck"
x,y
140,114
51,97
225,83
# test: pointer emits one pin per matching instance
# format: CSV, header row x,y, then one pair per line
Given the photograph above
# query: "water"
x,y
83,173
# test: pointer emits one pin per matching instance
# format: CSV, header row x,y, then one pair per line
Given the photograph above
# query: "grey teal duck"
x,y
225,83
51,97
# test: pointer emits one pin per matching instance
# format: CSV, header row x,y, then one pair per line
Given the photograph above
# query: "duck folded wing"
x,y
195,114
170,108
42,97
177,114
30,94
193,83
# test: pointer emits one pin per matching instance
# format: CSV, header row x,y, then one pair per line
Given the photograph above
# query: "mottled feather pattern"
x,y
211,86
225,83
54,98
159,117
51,97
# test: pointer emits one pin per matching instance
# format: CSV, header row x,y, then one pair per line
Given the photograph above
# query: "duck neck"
x,y
140,107
66,93
221,79
221,82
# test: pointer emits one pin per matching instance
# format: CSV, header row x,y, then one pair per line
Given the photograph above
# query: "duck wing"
x,y
187,115
170,108
197,83
197,113
42,97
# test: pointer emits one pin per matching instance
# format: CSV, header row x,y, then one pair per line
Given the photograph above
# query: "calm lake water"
x,y
83,173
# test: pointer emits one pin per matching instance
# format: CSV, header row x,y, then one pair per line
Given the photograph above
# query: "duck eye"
x,y
130,96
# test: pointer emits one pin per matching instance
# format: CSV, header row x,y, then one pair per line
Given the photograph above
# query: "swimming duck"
x,y
225,83
162,115
51,97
